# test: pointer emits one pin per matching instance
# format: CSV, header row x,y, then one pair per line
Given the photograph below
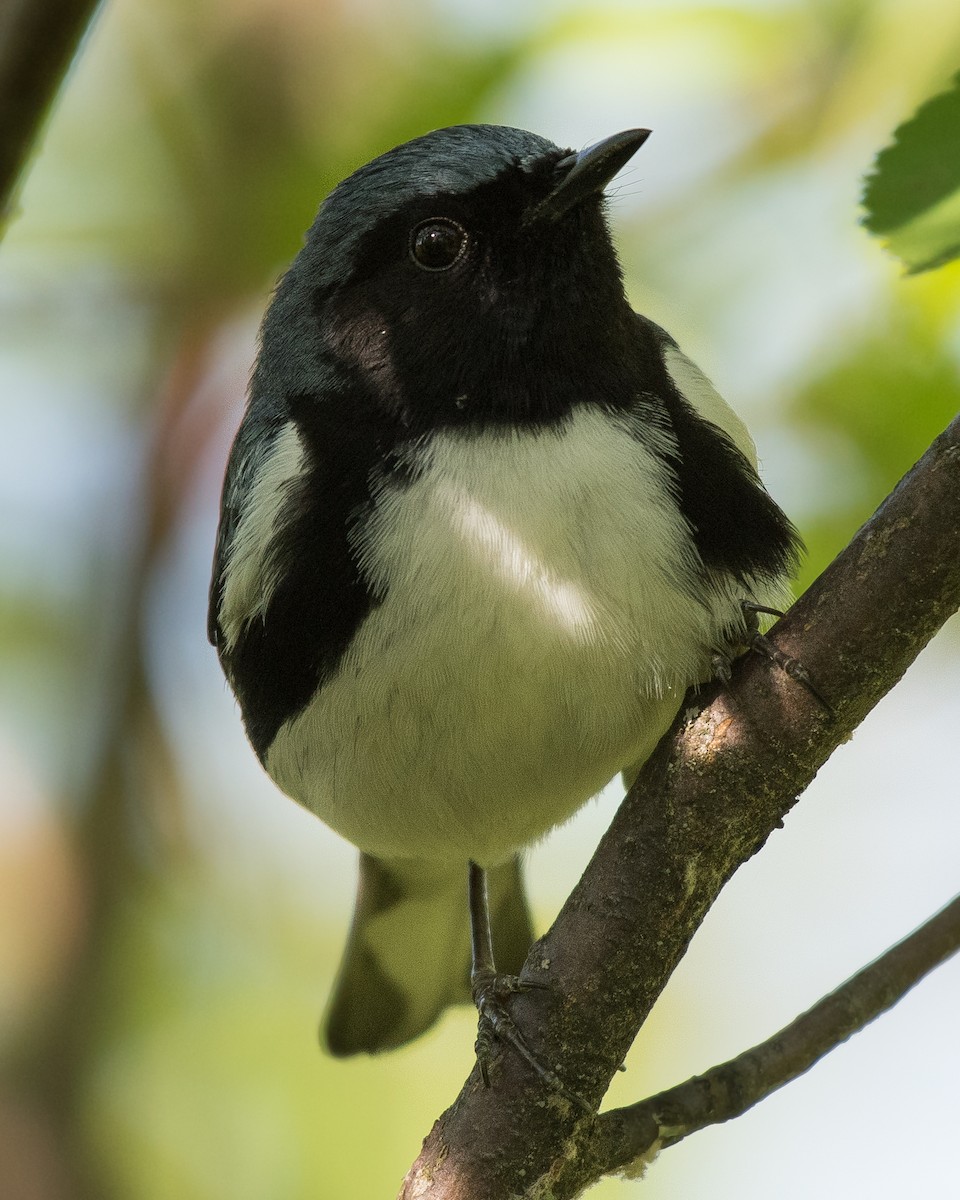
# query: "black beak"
x,y
587,173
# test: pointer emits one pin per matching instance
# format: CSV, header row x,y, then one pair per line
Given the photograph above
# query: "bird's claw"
x,y
721,664
722,660
760,644
490,995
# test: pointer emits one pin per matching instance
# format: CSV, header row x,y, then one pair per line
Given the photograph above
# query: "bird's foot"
x,y
793,667
759,643
491,994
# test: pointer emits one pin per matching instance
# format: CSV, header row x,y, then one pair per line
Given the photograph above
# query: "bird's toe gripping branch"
x,y
491,995
760,643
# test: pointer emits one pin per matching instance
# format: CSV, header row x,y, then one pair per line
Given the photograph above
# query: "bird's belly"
x,y
433,753
537,630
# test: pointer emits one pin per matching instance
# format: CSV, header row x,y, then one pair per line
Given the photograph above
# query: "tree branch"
x,y
636,1132
712,793
37,41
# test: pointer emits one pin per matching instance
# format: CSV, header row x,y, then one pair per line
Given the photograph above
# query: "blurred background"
x,y
170,924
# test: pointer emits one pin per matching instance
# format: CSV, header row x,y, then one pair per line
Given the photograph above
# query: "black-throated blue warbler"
x,y
482,526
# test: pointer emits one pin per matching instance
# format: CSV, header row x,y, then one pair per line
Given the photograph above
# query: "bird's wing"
x,y
736,525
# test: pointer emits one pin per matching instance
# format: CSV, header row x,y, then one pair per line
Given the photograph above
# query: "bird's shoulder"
x,y
737,526
287,592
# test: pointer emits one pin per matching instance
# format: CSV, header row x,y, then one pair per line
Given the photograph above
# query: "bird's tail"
x,y
408,954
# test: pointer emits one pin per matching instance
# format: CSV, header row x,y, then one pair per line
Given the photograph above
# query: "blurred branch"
x,y
116,832
38,39
635,1133
708,799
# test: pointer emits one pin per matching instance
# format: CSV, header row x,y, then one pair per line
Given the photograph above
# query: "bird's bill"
x,y
589,172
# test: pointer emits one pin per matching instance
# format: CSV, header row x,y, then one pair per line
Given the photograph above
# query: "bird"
x,y
482,526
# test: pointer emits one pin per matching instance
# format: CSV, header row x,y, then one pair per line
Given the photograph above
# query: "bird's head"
x,y
459,278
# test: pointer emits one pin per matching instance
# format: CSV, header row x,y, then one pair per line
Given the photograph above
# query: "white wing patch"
x,y
704,397
697,389
249,579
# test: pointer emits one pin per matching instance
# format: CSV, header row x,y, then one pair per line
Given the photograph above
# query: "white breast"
x,y
535,637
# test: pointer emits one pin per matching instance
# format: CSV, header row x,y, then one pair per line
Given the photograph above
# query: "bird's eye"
x,y
436,245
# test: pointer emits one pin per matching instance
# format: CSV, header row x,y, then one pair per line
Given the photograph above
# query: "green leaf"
x,y
913,196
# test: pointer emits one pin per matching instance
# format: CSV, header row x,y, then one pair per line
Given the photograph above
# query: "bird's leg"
x,y
491,991
761,644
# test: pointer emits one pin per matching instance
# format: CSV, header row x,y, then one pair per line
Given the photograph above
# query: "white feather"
x,y
249,577
535,637
696,388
